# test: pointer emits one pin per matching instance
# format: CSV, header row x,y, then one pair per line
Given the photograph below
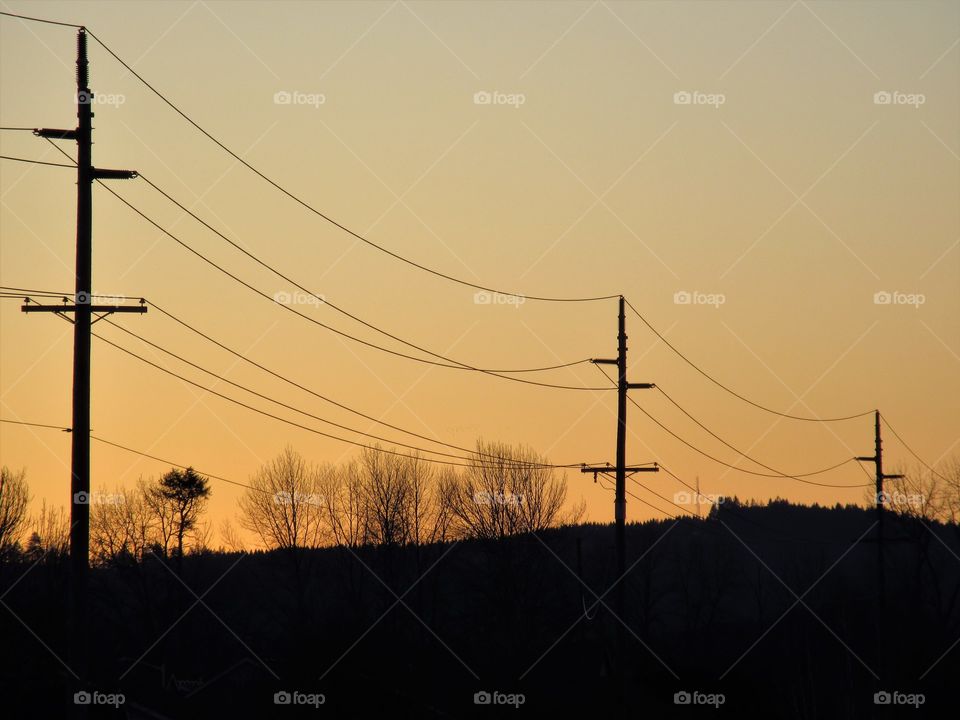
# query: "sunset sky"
x,y
787,191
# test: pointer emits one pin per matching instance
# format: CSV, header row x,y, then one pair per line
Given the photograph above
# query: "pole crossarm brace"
x,y
56,134
629,470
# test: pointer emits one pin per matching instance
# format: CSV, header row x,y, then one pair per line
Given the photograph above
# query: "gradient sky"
x,y
797,199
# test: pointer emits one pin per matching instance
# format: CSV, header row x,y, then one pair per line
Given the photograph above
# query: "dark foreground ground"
x,y
769,612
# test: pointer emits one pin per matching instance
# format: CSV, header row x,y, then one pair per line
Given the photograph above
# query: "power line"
x,y
639,499
456,365
323,215
41,20
37,162
341,333
654,492
54,293
315,394
734,392
798,478
333,306
741,452
287,380
910,449
293,423
38,425
177,465
316,417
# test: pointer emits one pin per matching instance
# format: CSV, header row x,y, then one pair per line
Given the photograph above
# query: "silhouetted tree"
x,y
506,490
122,525
14,496
343,505
284,504
50,535
185,492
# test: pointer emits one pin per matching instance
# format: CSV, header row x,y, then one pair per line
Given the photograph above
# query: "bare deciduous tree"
x,y
504,491
14,496
230,538
285,504
343,505
122,525
50,536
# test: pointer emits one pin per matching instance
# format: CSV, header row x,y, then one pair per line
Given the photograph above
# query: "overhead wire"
x,y
240,159
734,392
799,478
333,306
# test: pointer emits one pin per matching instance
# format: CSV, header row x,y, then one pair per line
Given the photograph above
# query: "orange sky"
x,y
786,187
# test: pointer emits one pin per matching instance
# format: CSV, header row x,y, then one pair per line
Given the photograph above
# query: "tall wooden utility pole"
x,y
877,460
83,310
620,499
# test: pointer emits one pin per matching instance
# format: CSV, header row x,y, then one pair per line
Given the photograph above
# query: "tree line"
x,y
380,498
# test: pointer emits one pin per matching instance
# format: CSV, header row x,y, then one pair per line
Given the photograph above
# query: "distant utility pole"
x,y
877,460
83,309
620,499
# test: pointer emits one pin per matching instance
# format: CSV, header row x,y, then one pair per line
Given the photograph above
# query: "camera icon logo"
x,y
282,698
682,297
682,98
882,698
82,698
682,698
882,97
282,97
482,97
482,298
882,298
482,698
81,498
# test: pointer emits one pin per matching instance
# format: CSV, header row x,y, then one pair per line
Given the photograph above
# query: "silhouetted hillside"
x,y
709,611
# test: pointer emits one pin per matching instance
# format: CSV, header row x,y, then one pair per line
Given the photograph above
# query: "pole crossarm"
x,y
93,308
629,470
56,134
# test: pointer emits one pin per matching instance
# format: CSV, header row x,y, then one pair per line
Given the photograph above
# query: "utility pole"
x,y
620,499
83,311
877,460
